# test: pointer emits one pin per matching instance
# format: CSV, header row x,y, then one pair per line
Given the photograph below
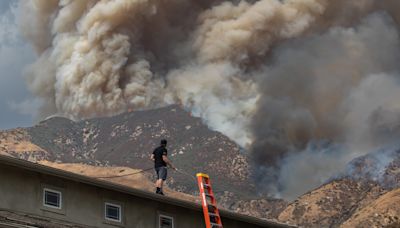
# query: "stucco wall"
x,y
21,191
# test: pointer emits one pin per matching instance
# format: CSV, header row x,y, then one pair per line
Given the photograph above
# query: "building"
x,y
33,195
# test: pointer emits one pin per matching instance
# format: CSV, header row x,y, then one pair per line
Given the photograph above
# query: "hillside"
x,y
18,143
128,140
330,204
365,196
382,212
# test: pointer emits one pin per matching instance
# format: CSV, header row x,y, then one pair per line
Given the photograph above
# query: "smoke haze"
x,y
15,54
305,85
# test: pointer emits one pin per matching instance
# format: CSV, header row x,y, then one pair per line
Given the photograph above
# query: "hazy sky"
x,y
17,105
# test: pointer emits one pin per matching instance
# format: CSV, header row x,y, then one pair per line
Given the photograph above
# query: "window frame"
x,y
119,212
45,189
161,215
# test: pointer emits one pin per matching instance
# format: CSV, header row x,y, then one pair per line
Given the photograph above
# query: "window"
x,y
113,212
166,221
52,198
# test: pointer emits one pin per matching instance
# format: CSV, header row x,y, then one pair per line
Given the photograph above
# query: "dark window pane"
x,y
52,198
112,212
165,222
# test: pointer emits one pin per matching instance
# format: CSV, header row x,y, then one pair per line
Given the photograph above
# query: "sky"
x,y
18,108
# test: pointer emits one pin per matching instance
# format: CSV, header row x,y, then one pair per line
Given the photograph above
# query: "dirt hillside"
x,y
382,212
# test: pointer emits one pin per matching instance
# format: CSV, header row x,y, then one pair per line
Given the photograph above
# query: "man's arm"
x,y
166,160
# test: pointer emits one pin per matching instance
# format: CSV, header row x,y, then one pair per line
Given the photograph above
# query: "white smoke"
x,y
274,75
217,94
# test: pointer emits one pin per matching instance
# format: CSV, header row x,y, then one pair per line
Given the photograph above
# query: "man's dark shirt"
x,y
158,154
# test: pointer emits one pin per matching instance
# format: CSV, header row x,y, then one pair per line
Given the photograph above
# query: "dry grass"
x,y
16,141
327,205
383,212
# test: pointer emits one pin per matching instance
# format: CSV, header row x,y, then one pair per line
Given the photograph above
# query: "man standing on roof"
x,y
161,161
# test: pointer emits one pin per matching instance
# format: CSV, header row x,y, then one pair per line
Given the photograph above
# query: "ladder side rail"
x,y
204,202
210,192
217,219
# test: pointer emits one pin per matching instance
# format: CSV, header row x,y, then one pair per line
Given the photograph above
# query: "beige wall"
x,y
21,191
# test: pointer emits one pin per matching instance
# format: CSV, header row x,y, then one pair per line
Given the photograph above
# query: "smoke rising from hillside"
x,y
276,76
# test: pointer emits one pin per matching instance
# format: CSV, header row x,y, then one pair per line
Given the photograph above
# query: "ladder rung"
x,y
206,186
209,195
211,208
213,214
215,224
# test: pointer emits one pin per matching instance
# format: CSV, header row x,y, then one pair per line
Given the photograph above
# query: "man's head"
x,y
163,142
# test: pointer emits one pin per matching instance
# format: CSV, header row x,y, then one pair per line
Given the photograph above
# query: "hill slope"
x,y
129,139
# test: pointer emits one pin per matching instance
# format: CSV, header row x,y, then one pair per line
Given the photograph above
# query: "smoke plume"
x,y
305,85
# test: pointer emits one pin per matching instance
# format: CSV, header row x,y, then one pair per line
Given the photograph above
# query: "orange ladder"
x,y
210,210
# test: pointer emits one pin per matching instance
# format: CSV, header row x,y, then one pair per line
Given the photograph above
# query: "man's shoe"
x,y
160,192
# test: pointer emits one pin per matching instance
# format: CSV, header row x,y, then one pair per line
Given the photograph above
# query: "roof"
x,y
30,166
13,219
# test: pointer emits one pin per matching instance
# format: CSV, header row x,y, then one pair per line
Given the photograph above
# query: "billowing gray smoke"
x,y
305,85
341,86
